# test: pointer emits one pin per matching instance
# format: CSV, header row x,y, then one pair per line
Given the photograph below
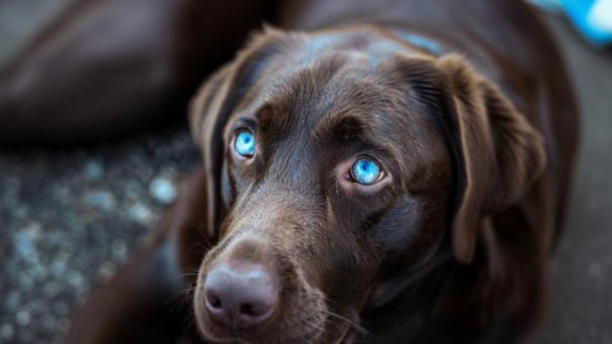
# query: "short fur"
x,y
477,142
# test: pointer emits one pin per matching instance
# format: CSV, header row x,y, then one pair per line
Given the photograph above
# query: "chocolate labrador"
x,y
388,172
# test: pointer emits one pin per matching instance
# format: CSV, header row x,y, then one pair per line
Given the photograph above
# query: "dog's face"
x,y
333,171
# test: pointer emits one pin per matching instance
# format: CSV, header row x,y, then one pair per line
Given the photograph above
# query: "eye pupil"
x,y
365,171
244,144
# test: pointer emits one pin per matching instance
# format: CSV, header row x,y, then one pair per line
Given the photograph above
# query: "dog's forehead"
x,y
329,76
376,48
313,82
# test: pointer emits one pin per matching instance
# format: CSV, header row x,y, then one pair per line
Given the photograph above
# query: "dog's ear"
x,y
216,100
206,123
500,152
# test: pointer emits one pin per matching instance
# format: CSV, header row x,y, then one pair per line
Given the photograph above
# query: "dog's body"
x,y
468,106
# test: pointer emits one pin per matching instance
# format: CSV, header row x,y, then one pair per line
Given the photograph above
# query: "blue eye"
x,y
244,143
366,171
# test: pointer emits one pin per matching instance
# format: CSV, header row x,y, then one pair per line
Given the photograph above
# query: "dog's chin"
x,y
212,335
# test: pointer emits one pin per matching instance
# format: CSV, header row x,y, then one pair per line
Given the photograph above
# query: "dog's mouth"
x,y
249,291
345,334
265,300
348,335
301,318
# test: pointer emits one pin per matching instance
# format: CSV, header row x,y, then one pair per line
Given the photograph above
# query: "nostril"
x,y
253,311
247,310
240,295
213,301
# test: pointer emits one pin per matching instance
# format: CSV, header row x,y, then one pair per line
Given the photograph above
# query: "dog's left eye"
x,y
244,143
366,171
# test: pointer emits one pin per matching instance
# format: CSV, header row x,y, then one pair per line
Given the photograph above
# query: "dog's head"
x,y
339,161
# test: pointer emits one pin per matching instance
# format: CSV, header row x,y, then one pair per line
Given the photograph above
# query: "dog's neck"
x,y
412,299
404,317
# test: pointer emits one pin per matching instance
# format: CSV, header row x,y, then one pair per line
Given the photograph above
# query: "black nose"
x,y
240,295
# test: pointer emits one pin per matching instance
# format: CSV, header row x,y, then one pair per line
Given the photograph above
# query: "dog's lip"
x,y
216,333
347,338
239,336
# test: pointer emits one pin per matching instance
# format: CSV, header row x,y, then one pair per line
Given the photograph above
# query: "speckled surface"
x,y
69,218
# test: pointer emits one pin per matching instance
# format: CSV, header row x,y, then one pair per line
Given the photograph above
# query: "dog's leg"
x,y
105,68
149,300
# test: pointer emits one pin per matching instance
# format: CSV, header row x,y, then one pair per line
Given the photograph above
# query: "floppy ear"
x,y
501,154
216,100
206,123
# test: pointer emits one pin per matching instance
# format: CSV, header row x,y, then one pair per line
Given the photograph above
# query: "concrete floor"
x,y
580,309
69,218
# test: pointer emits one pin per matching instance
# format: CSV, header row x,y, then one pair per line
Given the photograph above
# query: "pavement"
x,y
69,218
580,305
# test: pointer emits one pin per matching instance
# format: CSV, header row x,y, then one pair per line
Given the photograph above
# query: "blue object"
x,y
365,171
581,13
244,144
423,43
592,18
420,41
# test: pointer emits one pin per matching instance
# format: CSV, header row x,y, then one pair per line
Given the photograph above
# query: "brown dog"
x,y
398,175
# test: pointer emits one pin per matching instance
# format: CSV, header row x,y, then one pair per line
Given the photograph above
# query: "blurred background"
x,y
69,218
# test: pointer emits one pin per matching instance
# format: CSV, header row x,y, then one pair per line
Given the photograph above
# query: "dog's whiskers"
x,y
312,327
352,323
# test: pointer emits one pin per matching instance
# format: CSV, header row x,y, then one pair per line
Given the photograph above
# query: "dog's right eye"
x,y
244,143
366,171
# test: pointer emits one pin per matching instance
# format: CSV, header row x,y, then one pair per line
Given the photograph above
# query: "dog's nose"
x,y
240,295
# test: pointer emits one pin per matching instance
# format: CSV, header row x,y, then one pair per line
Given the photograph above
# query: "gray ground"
x,y
69,218
580,309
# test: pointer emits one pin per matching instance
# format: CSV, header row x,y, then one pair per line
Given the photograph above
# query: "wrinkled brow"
x,y
345,126
273,116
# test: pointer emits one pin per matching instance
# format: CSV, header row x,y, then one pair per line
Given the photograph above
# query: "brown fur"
x,y
477,143
499,154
